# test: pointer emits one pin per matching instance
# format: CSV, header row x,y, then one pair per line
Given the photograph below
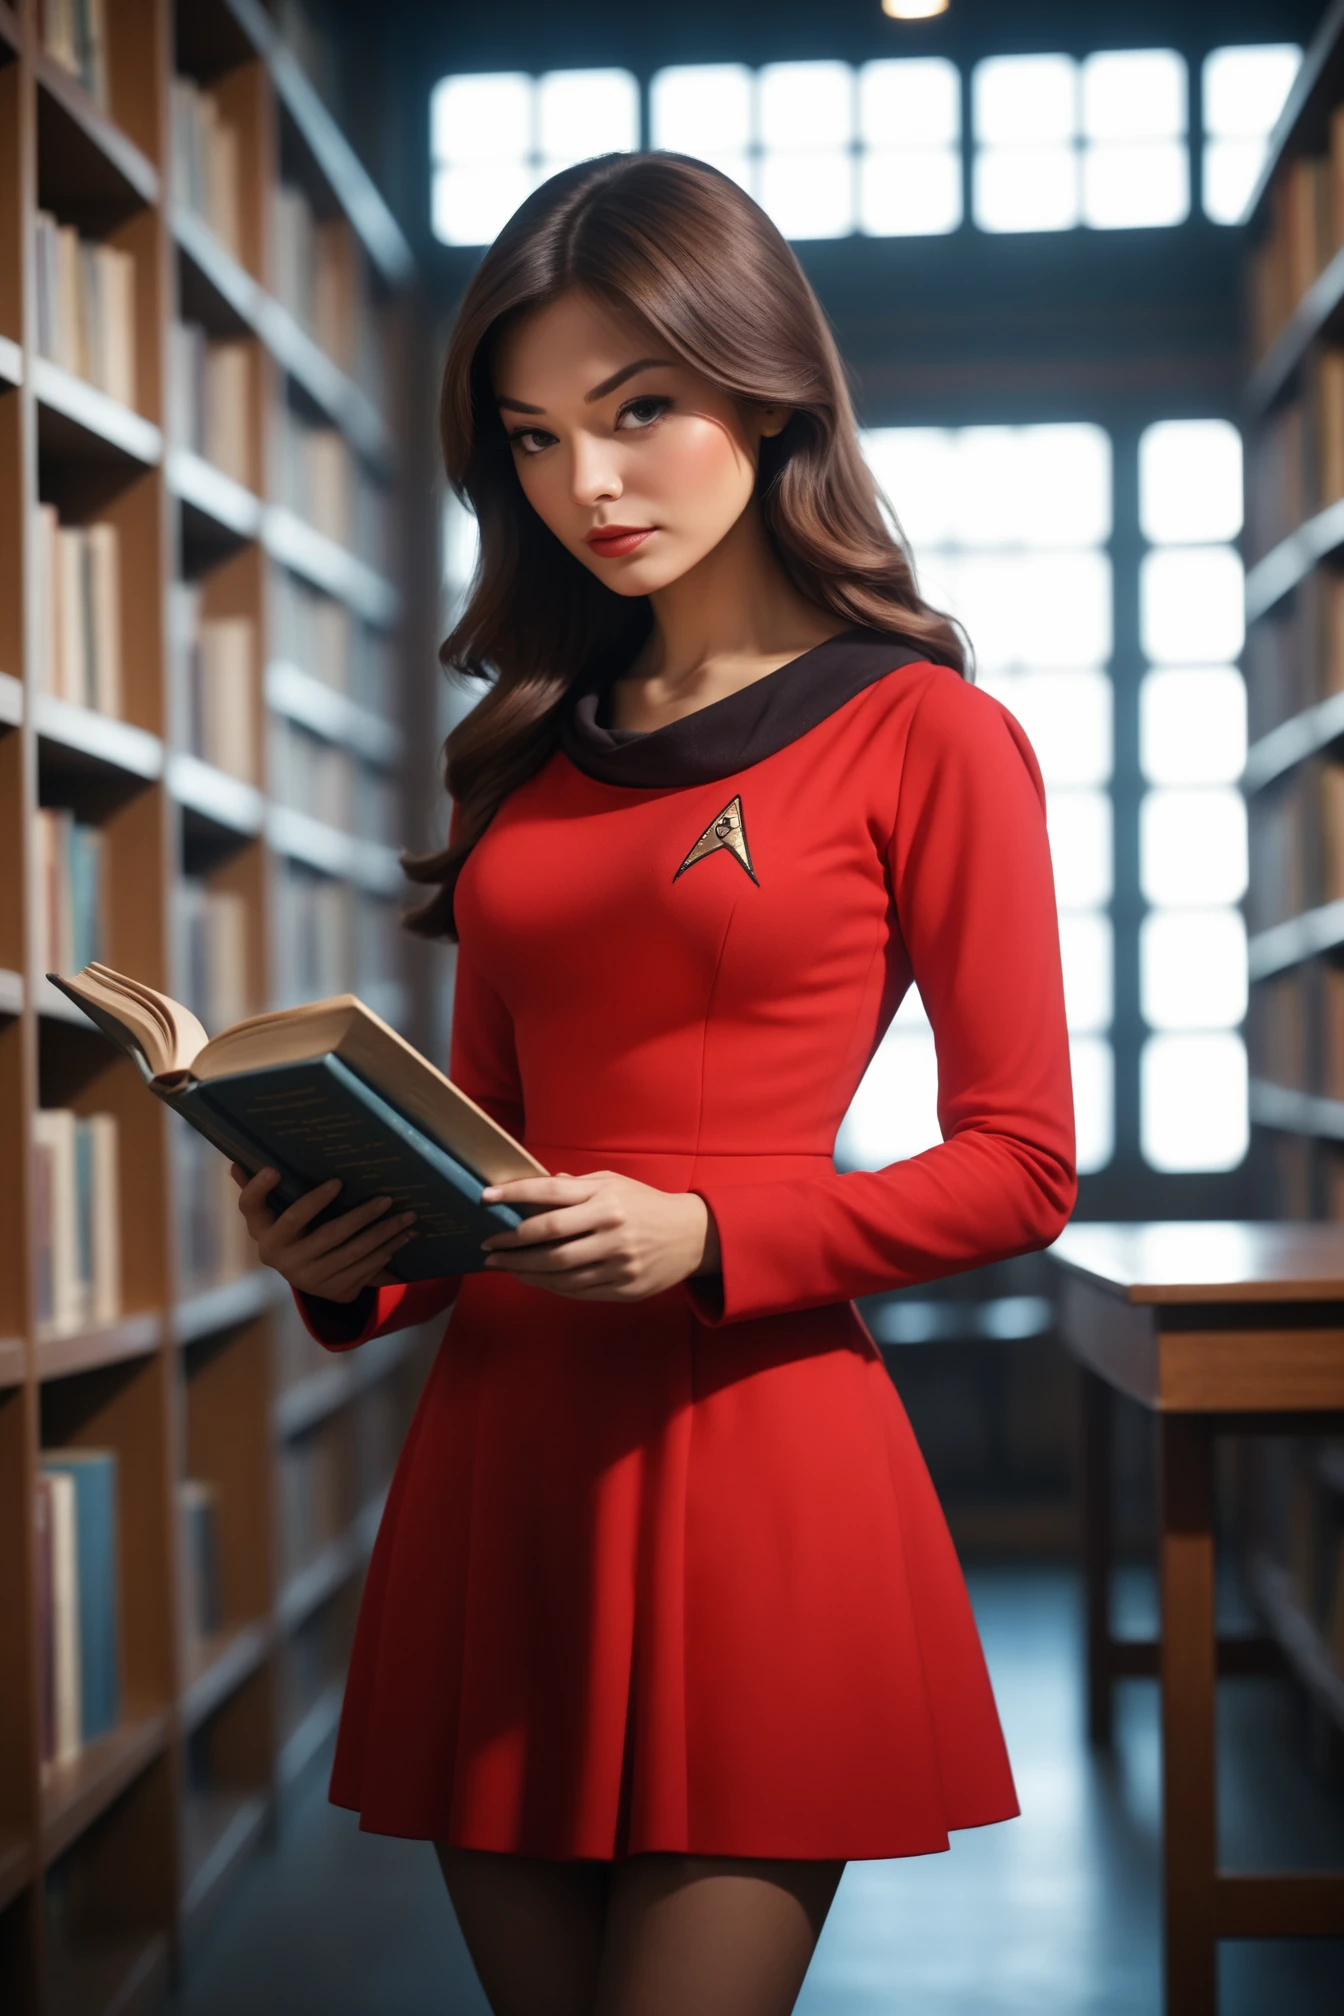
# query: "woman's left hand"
x,y
620,1240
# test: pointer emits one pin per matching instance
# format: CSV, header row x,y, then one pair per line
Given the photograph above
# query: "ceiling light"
x,y
913,10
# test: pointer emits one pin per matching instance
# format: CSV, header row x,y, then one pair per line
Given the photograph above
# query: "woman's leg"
x,y
533,1928
710,1935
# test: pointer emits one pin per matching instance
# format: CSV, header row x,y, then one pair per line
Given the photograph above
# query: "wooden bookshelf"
x,y
204,1374
1294,661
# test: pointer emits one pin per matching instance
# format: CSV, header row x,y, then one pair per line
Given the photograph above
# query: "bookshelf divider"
x,y
204,732
1294,784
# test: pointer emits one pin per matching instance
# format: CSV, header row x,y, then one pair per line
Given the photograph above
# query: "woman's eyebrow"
x,y
598,391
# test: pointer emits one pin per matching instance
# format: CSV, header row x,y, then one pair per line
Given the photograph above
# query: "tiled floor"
x,y
1055,1914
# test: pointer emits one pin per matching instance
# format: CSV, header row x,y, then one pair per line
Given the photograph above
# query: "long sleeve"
x,y
482,1061
971,877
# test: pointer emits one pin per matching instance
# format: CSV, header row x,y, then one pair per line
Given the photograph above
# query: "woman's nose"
x,y
594,477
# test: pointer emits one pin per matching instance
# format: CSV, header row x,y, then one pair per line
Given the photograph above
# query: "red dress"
x,y
671,1574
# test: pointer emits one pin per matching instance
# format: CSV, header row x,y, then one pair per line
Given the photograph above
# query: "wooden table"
x,y
1217,1327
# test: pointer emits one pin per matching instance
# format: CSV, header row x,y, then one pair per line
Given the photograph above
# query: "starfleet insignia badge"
x,y
727,831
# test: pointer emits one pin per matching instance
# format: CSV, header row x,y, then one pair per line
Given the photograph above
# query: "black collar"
x,y
732,733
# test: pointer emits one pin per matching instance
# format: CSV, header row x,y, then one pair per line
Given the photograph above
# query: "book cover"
x,y
54,1136
66,1663
93,1474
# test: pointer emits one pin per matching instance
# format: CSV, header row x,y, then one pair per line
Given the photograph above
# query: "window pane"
x,y
912,103
1093,1066
894,1112
1134,94
1192,969
702,109
461,544
1190,488
1067,716
1244,88
1079,825
1231,169
809,195
485,118
910,192
806,105
1026,98
1191,604
1192,847
917,468
1064,485
1192,1112
1192,725
1026,189
1086,946
585,112
1066,609
1142,185
987,591
472,204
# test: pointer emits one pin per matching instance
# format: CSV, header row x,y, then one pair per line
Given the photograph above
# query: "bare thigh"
x,y
710,1935
533,1928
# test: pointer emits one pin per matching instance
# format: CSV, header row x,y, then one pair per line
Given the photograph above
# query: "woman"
x,y
664,1623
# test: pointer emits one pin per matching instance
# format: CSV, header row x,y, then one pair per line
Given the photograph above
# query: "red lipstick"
x,y
613,542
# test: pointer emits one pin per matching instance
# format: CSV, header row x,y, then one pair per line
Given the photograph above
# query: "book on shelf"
x,y
312,631
82,1624
77,592
313,934
207,163
314,271
69,872
78,1212
311,774
1278,1030
314,474
74,34
1306,229
202,1594
323,1090
316,1495
42,1591
212,931
86,307
209,391
214,673
213,1243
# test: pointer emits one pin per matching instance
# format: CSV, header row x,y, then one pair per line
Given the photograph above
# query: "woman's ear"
x,y
773,420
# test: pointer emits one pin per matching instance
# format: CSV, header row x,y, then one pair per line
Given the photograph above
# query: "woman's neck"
x,y
732,619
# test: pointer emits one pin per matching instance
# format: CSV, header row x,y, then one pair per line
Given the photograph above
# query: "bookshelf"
x,y
1293,1496
208,327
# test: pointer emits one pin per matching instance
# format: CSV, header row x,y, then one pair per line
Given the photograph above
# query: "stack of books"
x,y
313,929
86,307
213,1243
78,1610
77,1207
214,670
209,380
74,34
77,588
69,891
206,163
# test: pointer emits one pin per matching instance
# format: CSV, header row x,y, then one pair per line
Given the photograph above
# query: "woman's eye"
x,y
643,412
530,439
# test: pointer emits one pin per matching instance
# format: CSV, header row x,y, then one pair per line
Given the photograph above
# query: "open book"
x,y
320,1091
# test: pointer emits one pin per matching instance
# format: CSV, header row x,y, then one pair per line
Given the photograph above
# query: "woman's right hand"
x,y
336,1261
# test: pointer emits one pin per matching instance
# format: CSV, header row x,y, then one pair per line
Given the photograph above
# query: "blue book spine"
x,y
86,853
95,1477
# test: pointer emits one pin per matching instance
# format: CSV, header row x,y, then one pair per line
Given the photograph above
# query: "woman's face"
x,y
637,464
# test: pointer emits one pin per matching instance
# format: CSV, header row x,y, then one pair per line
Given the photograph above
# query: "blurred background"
x,y
1085,268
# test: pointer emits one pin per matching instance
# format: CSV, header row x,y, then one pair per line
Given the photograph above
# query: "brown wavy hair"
x,y
683,247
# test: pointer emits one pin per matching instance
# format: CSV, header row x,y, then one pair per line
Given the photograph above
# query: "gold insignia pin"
x,y
727,830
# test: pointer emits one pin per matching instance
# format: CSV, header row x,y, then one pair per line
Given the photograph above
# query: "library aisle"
x,y
1054,1912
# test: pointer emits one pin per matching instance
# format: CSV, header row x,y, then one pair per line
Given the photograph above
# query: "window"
x,y
1102,142
1009,527
1244,93
1192,818
493,137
